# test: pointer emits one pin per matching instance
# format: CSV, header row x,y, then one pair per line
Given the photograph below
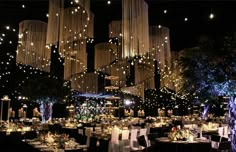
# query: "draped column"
x,y
160,51
31,49
71,27
54,20
135,38
144,72
87,83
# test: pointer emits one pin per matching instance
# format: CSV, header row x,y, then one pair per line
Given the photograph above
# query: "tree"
x,y
209,71
45,91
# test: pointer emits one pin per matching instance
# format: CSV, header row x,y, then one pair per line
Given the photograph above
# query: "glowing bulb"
x,y
7,27
23,6
108,2
159,26
211,16
165,11
185,19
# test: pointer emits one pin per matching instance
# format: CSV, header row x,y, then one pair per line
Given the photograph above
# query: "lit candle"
x,y
24,114
13,114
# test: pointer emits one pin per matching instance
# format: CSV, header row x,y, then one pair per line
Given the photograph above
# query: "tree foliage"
x,y
209,70
44,87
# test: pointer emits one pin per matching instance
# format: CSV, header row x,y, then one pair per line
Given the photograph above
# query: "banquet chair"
x,y
114,143
88,132
143,132
142,142
133,140
215,142
124,142
220,144
225,146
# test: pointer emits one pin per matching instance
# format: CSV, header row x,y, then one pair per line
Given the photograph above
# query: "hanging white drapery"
x,y
75,61
160,50
71,27
135,30
86,83
54,21
31,49
137,90
121,69
115,33
105,55
144,72
115,29
160,45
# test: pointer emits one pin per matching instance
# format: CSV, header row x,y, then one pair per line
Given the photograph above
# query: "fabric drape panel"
x,y
121,69
105,54
32,49
135,29
54,21
75,61
160,45
160,50
91,26
144,70
87,83
137,90
115,29
71,27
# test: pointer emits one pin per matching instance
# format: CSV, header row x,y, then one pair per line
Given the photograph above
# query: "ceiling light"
x,y
165,11
185,19
108,2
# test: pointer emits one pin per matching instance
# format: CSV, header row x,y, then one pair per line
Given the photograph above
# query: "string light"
x,y
211,16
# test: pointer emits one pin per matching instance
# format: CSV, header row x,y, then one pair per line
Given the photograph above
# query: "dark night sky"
x,y
183,34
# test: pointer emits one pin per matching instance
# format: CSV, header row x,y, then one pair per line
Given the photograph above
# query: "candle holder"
x,y
5,99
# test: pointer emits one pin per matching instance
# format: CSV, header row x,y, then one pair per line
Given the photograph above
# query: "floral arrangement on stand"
x,y
178,134
103,117
49,138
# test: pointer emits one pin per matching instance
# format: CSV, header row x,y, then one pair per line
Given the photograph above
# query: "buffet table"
x,y
165,144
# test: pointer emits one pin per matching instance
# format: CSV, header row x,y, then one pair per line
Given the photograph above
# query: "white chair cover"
x,y
80,131
143,132
125,135
215,144
133,139
221,131
88,132
114,143
124,143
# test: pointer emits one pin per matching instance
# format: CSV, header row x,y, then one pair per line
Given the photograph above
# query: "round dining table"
x,y
166,145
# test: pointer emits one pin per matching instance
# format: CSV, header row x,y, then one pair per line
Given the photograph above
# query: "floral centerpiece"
x,y
62,139
178,134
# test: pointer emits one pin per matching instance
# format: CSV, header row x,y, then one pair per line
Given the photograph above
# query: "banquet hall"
x,y
117,76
